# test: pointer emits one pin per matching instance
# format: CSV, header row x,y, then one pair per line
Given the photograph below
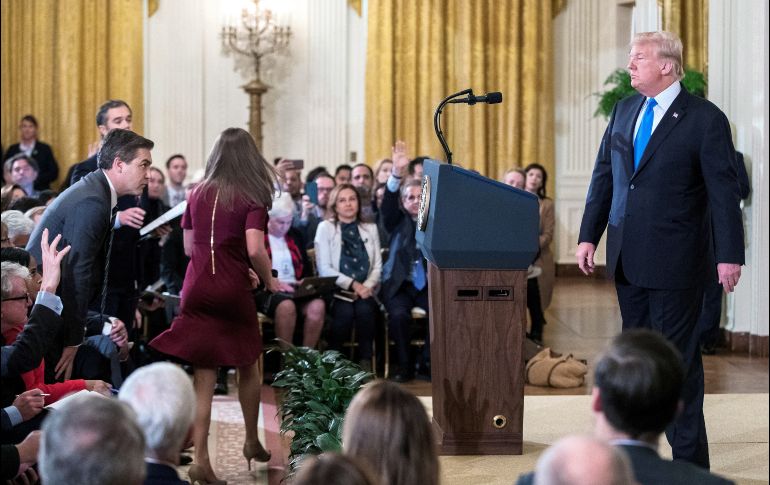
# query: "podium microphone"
x,y
471,99
489,98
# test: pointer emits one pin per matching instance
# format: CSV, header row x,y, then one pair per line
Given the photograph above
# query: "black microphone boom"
x,y
489,98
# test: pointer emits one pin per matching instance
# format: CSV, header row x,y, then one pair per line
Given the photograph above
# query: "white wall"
x,y
314,109
738,84
590,41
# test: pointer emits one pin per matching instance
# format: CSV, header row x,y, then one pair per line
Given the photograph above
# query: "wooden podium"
x,y
479,246
477,332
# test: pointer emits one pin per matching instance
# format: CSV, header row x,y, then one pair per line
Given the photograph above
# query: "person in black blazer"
x,y
41,152
404,275
635,396
654,199
82,215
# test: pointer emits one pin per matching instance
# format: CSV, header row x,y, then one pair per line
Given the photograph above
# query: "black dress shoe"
x,y
536,339
185,460
708,350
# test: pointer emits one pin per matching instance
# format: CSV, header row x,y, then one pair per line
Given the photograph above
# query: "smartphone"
x,y
311,190
298,164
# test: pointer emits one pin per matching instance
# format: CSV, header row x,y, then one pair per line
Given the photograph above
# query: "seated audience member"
x,y
47,196
163,399
9,194
314,173
291,182
379,194
348,248
92,440
415,168
173,265
24,171
18,459
7,177
515,177
6,241
13,322
334,469
362,178
24,353
32,147
582,460
636,395
19,227
342,174
176,168
24,204
382,170
312,214
387,428
404,275
35,213
287,253
45,319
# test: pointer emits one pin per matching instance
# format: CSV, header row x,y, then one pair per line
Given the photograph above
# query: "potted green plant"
x,y
317,389
620,82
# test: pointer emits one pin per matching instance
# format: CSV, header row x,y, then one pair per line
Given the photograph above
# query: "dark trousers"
x,y
674,313
361,314
710,315
400,320
535,307
121,304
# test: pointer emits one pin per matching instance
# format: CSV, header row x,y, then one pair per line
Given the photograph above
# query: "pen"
x,y
41,394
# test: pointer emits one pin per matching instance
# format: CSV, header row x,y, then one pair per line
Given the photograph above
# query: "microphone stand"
x,y
437,121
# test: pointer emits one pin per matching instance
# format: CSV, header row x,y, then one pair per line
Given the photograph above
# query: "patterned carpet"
x,y
737,425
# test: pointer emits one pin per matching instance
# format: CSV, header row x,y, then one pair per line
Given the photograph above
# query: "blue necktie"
x,y
644,133
418,275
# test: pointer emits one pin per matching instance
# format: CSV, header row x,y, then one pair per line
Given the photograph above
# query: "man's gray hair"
x,y
163,399
9,272
92,440
577,460
18,224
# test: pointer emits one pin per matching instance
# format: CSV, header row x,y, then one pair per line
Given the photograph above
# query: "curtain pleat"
x,y
420,52
60,60
689,20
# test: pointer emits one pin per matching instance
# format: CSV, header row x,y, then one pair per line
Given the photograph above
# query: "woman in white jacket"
x,y
349,249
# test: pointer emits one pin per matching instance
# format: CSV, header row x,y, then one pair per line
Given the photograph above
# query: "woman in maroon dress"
x,y
224,227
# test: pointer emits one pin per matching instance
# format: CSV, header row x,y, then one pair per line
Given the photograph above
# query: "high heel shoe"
x,y
198,476
253,450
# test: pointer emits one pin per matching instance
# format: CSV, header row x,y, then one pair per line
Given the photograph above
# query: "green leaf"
x,y
328,442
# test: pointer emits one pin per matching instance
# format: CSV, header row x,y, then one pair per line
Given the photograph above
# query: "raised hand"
x,y
400,158
52,259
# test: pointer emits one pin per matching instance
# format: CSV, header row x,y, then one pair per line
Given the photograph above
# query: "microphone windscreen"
x,y
495,97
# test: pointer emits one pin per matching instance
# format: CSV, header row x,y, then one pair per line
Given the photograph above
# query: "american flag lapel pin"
x,y
675,115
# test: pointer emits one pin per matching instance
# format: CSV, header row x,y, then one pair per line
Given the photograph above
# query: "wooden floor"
x,y
583,318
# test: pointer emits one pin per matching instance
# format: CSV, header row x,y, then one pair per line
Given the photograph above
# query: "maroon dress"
x,y
218,324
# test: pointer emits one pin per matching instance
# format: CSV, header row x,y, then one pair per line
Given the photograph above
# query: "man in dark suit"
x,y
666,159
404,280
636,394
82,215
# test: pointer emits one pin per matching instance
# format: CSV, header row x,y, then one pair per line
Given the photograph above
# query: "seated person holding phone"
x,y
287,252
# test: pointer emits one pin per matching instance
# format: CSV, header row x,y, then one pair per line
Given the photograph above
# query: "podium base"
x,y
479,443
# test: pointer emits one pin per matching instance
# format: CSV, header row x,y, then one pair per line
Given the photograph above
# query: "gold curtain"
x,y
60,59
689,20
420,52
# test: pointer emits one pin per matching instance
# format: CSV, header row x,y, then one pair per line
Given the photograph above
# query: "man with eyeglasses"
x,y
404,276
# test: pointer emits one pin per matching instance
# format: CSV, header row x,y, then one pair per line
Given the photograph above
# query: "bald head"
x,y
583,460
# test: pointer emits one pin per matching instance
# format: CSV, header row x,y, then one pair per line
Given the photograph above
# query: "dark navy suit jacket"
x,y
657,217
82,216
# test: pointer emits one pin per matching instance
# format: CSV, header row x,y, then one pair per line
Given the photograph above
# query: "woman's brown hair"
x,y
331,210
387,427
238,170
